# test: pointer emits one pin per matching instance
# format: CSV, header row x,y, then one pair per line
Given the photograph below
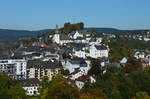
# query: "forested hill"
x,y
118,31
102,29
11,36
127,32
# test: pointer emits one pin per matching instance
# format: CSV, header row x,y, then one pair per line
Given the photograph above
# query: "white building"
x,y
80,53
94,51
139,55
72,65
75,35
61,39
123,60
80,40
96,40
146,38
76,67
15,68
145,62
98,51
56,38
31,86
80,81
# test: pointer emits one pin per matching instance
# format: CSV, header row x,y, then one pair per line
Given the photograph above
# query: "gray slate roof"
x,y
34,49
42,64
101,47
79,61
64,37
30,82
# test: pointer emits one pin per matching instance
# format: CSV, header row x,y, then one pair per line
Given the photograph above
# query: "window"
x,y
45,72
34,92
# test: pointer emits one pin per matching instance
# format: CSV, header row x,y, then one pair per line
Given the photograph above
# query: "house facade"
x,y
15,68
80,81
31,86
97,51
76,67
75,34
139,54
38,69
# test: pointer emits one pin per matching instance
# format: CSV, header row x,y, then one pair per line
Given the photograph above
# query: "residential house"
x,y
75,34
147,36
97,51
80,40
61,39
31,86
81,50
76,67
64,39
147,56
139,54
80,53
96,40
34,52
145,62
79,33
123,60
80,81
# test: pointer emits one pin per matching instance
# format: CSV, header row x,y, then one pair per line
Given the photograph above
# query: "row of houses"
x,y
79,37
142,37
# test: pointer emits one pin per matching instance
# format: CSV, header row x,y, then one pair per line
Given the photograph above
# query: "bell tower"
x,y
57,29
56,37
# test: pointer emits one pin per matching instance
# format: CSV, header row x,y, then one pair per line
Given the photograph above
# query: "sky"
x,y
45,14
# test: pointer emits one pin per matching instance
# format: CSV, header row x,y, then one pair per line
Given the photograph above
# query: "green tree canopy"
x,y
10,89
59,88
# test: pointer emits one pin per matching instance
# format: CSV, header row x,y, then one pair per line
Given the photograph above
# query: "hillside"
x,y
11,36
118,32
8,36
102,29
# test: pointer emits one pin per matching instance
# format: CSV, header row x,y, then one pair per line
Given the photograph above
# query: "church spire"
x,y
57,29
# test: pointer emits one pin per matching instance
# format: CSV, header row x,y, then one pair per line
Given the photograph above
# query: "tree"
x,y
64,72
16,92
141,95
10,88
97,93
44,84
95,67
118,50
132,65
60,89
28,41
85,96
105,40
66,56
